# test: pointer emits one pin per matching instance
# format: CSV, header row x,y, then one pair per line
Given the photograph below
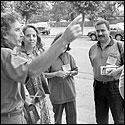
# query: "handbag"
x,y
30,113
45,85
33,89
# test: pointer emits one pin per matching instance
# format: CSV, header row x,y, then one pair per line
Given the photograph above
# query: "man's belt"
x,y
10,114
105,82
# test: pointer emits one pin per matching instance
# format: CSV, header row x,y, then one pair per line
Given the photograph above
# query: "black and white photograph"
x,y
62,62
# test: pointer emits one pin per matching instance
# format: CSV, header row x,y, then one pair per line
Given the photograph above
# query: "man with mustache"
x,y
104,54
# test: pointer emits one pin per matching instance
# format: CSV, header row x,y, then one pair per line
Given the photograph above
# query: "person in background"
x,y
106,86
16,70
31,48
121,84
62,86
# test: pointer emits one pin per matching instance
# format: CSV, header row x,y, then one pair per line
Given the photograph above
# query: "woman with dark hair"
x,y
62,86
32,47
39,42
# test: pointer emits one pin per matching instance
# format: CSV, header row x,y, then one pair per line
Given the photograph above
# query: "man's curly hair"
x,y
6,20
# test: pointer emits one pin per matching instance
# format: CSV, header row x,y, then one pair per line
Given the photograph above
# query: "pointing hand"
x,y
73,30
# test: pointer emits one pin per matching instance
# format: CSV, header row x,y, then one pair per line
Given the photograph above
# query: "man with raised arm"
x,y
15,69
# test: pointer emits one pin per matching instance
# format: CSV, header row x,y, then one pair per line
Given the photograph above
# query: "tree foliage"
x,y
61,10
5,6
28,8
85,8
120,3
2,6
109,9
73,8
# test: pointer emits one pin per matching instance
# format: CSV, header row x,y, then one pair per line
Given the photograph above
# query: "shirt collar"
x,y
110,43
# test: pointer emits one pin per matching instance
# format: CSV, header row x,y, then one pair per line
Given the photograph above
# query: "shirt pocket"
x,y
112,58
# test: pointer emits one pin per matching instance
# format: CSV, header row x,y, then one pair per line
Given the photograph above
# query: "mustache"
x,y
101,36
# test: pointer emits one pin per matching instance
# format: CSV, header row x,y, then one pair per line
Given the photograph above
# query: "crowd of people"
x,y
29,72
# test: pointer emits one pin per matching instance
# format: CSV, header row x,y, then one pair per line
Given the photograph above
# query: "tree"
x,y
5,6
85,7
61,10
109,9
28,8
43,15
120,3
106,9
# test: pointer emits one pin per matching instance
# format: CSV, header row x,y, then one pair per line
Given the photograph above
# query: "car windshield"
x,y
42,24
116,27
121,27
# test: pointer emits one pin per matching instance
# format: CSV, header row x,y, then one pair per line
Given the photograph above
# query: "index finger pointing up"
x,y
76,20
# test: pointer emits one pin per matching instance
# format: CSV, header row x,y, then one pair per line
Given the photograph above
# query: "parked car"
x,y
116,32
121,25
92,35
43,27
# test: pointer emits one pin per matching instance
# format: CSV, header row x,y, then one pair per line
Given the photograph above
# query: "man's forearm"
x,y
41,63
50,75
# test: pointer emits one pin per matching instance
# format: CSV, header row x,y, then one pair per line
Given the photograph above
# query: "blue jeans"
x,y
107,96
70,110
